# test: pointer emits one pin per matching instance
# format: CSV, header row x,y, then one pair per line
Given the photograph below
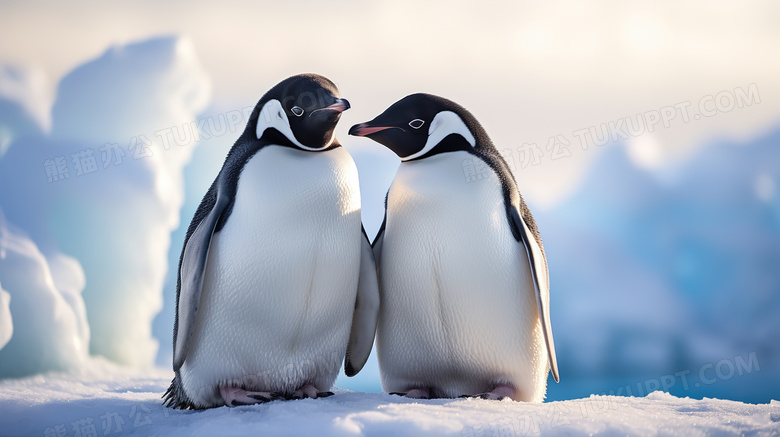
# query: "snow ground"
x,y
107,400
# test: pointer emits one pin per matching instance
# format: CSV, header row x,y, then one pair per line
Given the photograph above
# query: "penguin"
x,y
464,284
277,281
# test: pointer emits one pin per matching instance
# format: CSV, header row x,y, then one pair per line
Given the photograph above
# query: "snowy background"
x,y
646,139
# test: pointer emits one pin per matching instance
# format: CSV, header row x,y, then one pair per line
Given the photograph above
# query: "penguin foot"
x,y
234,396
309,391
415,393
499,393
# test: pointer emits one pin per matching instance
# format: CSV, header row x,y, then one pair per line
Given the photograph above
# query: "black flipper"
x,y
361,338
541,279
376,246
192,271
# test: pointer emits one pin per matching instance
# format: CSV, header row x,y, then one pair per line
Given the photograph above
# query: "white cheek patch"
x,y
445,123
272,115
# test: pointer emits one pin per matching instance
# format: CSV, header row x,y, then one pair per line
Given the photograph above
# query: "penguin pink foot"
x,y
310,391
415,393
235,396
500,392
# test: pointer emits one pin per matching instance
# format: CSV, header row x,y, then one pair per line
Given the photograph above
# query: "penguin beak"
x,y
364,129
341,105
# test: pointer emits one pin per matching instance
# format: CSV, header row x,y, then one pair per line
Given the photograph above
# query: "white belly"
x,y
281,278
458,311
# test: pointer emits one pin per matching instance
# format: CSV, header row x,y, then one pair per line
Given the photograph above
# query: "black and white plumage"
x,y
277,280
463,275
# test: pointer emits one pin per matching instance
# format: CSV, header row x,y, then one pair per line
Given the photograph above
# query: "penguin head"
x,y
421,125
301,111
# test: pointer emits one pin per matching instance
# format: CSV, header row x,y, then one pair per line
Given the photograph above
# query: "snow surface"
x,y
119,402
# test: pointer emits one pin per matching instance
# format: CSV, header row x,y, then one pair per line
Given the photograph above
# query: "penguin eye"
x,y
297,111
416,123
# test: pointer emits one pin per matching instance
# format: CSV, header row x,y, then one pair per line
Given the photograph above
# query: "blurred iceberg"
x,y
659,270
6,321
105,188
47,316
24,104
